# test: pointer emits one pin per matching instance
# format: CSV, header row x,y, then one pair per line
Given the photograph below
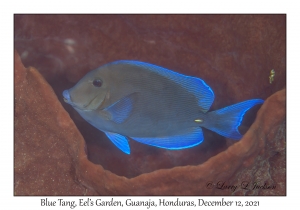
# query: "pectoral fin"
x,y
120,141
121,110
190,138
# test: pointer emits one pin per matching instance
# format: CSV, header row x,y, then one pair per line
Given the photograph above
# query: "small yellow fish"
x,y
272,75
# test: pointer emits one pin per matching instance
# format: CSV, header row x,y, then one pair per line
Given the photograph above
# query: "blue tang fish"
x,y
152,105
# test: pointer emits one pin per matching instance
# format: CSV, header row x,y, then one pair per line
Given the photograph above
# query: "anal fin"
x,y
190,138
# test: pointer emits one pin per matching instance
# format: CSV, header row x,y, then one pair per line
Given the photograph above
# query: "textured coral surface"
x,y
233,54
46,139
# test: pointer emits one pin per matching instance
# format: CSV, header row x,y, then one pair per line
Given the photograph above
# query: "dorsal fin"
x,y
194,85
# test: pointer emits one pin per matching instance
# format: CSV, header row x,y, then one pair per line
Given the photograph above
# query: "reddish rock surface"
x,y
46,139
233,54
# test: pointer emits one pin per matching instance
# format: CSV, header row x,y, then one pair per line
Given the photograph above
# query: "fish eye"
x,y
97,83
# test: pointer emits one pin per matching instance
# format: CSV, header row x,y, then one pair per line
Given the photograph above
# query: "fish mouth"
x,y
101,103
67,99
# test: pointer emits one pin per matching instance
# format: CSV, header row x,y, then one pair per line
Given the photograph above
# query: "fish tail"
x,y
226,121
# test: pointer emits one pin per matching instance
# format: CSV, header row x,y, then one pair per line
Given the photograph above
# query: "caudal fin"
x,y
227,120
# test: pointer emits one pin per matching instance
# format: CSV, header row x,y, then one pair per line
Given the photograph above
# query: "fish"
x,y
130,99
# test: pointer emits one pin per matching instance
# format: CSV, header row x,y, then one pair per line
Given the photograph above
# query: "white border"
x,y
8,201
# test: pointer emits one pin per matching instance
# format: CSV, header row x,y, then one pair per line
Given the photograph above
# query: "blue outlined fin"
x,y
120,141
227,120
193,137
194,85
121,109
